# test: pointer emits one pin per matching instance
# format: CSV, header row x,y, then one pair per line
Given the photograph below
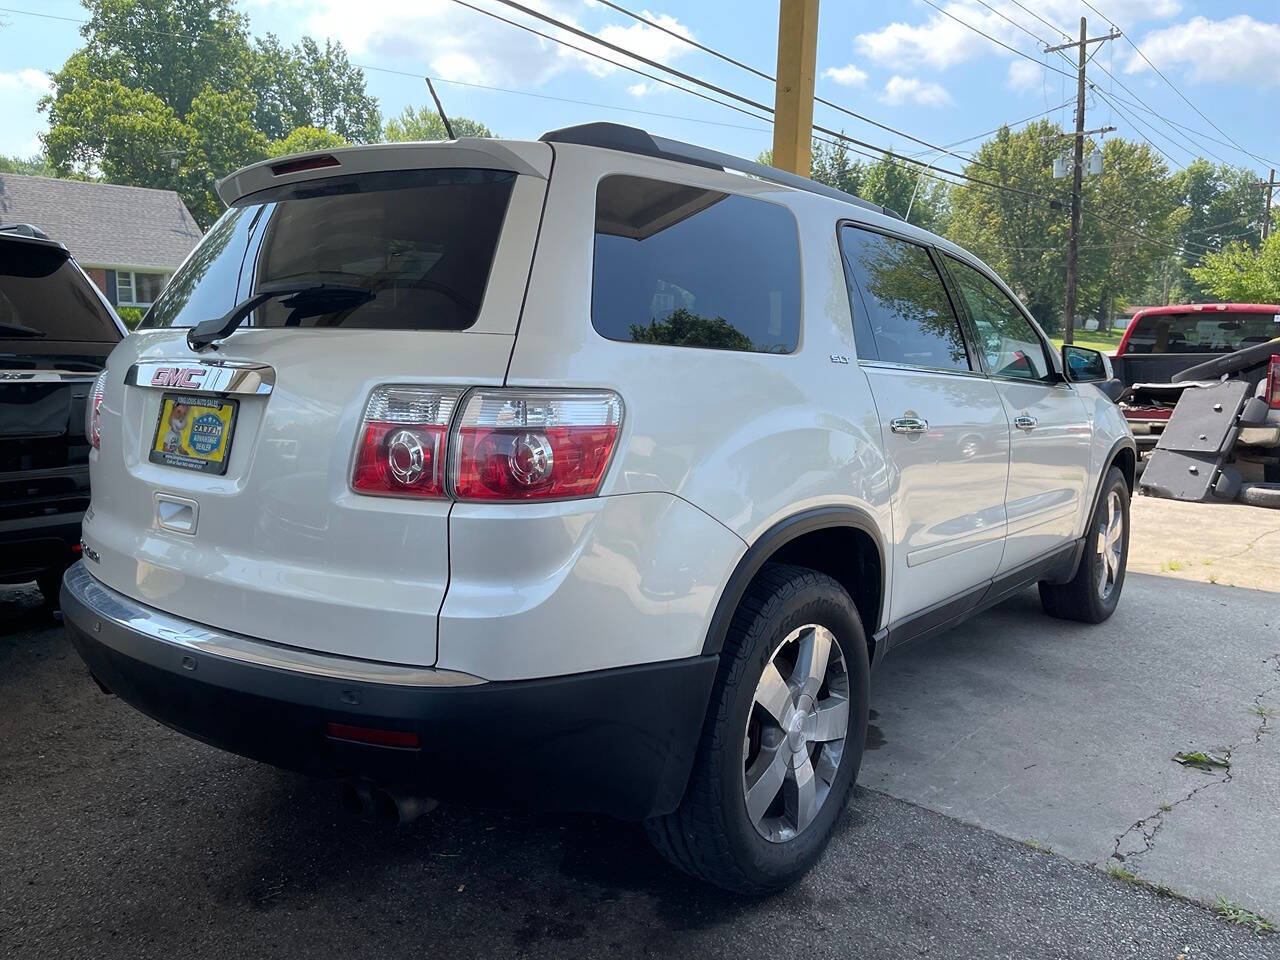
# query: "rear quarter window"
x,y
690,267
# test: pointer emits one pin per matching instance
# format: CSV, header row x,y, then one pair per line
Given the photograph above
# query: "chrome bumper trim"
x,y
118,622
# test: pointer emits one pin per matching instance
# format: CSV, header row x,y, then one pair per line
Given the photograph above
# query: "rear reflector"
x,y
374,735
517,444
305,163
1273,382
401,450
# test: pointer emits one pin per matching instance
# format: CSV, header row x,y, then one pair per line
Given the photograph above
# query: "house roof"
x,y
103,224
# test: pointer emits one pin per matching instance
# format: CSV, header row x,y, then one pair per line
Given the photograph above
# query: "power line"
x,y
998,43
1172,87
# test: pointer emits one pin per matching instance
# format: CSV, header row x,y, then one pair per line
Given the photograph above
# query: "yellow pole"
x,y
793,101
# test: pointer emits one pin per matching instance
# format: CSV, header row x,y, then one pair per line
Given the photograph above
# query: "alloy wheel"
x,y
795,733
1110,545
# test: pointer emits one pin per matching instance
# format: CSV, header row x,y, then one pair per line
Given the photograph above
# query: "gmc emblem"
x,y
188,377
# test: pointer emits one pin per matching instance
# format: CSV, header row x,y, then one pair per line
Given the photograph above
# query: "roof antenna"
x,y
448,127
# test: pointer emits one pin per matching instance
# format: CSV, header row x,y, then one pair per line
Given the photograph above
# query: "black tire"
x,y
50,585
711,836
1260,494
1081,598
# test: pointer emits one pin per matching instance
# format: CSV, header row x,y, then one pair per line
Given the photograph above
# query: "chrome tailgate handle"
x,y
1025,422
909,425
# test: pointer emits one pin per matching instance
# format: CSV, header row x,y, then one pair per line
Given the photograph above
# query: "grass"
x,y
1172,566
1263,712
1232,911
1125,876
1035,844
1093,340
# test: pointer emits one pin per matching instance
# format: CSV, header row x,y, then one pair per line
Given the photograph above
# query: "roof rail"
x,y
617,136
24,230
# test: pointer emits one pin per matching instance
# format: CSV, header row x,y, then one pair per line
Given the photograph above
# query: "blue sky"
x,y
904,63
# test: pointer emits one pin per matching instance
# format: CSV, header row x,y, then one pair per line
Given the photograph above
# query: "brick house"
x,y
129,240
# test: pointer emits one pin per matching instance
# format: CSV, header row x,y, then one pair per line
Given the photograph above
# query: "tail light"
x,y
93,413
533,444
1273,382
402,441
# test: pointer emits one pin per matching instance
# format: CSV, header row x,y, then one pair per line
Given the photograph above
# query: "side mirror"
x,y
1082,365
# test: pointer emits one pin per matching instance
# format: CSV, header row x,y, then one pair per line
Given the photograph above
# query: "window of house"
x,y
137,289
689,267
901,310
1005,335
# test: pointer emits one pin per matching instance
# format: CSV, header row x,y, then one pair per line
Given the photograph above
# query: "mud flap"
x,y
1187,463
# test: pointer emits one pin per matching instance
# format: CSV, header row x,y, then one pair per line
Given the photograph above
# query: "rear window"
x,y
689,267
417,245
43,296
1208,331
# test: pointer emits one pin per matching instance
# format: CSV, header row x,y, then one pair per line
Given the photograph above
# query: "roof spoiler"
x,y
479,152
24,230
617,136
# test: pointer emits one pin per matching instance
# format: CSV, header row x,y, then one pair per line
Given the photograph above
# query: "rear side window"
x,y
1005,335
902,313
1208,331
415,247
689,267
44,297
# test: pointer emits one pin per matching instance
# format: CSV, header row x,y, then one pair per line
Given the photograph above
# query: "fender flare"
x,y
768,543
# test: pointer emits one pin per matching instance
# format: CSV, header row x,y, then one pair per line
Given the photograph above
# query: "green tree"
x,y
34,166
1239,273
307,85
683,328
1022,237
304,140
1223,207
423,123
223,139
893,184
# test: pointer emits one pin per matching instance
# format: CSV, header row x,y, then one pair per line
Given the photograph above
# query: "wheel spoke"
x,y
830,721
764,788
774,695
811,664
806,795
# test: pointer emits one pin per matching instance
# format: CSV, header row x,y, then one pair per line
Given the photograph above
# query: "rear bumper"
x,y
618,741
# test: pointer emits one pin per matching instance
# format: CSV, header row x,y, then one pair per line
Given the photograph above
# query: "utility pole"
x,y
1266,211
793,99
1077,172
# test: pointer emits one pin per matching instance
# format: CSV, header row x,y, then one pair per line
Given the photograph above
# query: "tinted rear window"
x,y
419,243
44,297
1207,331
689,267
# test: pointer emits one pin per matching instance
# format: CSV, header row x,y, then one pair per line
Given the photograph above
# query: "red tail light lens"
x,y
1273,383
93,413
534,444
401,451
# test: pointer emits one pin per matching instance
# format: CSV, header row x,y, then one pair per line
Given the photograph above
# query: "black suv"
x,y
56,330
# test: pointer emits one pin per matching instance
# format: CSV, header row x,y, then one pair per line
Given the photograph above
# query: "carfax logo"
x,y
206,433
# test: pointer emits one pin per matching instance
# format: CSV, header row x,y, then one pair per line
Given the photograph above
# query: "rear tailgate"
x,y
270,541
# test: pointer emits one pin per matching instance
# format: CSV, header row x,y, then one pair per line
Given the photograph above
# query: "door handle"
x,y
909,425
1025,422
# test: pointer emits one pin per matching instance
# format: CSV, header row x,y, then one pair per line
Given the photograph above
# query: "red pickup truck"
x,y
1163,342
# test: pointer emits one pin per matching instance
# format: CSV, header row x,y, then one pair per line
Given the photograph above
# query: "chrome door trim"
x,y
215,376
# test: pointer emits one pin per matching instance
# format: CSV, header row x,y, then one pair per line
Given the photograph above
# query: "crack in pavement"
x,y
1157,820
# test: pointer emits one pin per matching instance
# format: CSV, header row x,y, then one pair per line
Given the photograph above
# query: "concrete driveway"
x,y
121,838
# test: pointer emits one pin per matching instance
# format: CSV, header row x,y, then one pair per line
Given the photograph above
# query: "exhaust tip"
x,y
379,805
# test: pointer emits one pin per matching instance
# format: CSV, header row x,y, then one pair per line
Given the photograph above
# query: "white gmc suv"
x,y
592,473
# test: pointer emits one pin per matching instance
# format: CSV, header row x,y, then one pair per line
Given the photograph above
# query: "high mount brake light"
x,y
518,444
402,441
508,444
93,413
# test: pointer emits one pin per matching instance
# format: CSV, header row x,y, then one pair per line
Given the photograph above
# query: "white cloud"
x,y
846,76
942,41
640,89
1025,75
1238,48
457,43
900,90
26,81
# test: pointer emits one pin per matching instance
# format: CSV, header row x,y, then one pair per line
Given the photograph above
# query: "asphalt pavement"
x,y
119,838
